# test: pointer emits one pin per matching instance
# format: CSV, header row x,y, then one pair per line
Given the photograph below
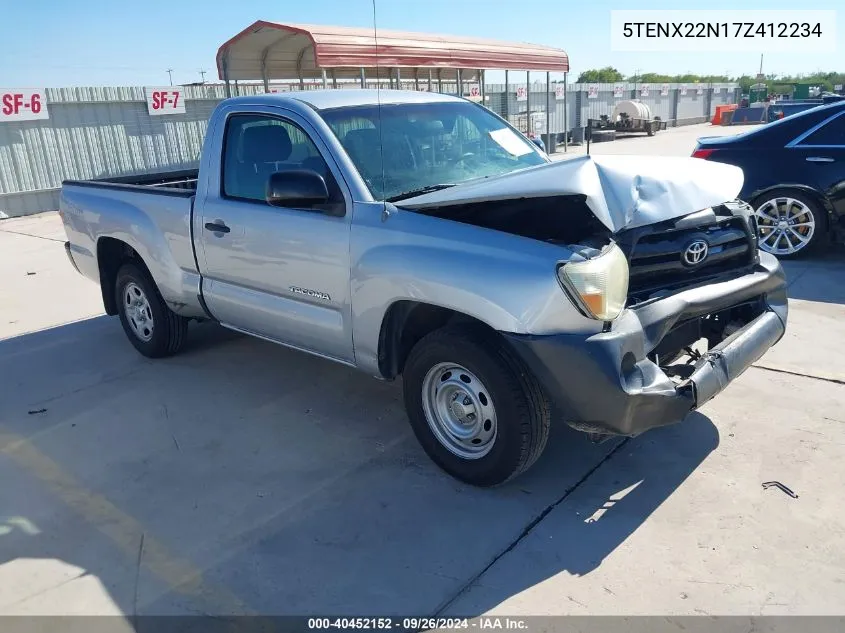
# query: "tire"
x,y
153,328
483,364
808,216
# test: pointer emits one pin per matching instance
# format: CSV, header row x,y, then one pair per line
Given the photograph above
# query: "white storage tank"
x,y
634,109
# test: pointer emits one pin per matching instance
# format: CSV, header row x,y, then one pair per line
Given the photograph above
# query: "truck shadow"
x,y
818,277
589,524
241,477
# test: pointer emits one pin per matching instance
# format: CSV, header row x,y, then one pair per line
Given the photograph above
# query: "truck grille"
x,y
661,260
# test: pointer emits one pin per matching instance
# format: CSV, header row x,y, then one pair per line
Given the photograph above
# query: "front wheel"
x,y
153,328
478,413
789,224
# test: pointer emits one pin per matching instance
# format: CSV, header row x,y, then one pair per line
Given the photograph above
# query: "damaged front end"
x,y
636,374
695,319
701,302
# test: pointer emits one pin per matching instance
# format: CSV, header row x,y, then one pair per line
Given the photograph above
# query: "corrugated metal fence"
x,y
95,133
101,132
682,104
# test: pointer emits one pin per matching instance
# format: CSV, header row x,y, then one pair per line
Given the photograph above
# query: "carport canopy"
x,y
273,51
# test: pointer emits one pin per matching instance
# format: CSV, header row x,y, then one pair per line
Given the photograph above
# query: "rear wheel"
x,y
790,223
475,409
153,328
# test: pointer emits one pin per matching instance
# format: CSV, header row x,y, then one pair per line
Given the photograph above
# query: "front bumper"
x,y
606,383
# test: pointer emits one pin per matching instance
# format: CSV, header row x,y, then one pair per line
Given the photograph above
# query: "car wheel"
x,y
789,223
476,410
153,328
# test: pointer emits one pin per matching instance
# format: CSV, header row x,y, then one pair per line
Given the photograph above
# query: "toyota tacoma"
x,y
420,235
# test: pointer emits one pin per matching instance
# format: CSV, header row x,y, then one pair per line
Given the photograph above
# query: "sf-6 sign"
x,y
23,105
169,100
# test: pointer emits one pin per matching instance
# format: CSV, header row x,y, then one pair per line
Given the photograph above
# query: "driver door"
x,y
279,273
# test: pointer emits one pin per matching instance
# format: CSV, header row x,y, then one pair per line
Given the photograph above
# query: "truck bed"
x,y
171,182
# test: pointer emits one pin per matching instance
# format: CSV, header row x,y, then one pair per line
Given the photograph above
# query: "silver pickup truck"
x,y
417,234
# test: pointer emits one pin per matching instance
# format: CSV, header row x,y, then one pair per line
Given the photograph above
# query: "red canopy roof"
x,y
289,51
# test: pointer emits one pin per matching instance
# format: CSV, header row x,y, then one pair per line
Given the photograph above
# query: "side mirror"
x,y
300,188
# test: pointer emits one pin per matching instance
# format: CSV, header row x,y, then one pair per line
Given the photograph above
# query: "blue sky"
x,y
55,43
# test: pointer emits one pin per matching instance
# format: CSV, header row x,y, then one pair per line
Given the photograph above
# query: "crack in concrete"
x,y
41,592
835,381
526,531
137,578
790,282
40,237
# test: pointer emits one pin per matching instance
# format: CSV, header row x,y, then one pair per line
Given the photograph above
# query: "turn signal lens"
x,y
600,283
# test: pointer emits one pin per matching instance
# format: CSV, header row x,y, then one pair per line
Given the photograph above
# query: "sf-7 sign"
x,y
168,100
23,105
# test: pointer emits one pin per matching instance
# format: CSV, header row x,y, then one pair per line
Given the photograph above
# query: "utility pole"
x,y
170,74
761,63
202,74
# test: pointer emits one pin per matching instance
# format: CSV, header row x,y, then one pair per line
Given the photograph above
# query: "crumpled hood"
x,y
622,191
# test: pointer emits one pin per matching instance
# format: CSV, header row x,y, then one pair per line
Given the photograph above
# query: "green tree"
x,y
606,75
776,82
652,78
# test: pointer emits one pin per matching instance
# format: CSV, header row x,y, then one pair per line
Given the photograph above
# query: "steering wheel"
x,y
464,159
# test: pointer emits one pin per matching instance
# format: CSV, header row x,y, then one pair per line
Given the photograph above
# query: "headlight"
x,y
600,283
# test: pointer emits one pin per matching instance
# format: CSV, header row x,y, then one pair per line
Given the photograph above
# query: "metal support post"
x,y
506,100
548,114
565,117
528,129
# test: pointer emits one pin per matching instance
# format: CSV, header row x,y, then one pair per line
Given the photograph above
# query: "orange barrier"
x,y
717,118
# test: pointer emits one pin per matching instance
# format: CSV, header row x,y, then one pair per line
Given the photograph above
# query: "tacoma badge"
x,y
310,293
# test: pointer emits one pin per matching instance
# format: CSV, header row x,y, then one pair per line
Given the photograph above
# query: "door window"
x,y
831,133
257,146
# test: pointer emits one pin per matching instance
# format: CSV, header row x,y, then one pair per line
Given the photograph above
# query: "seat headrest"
x,y
365,139
266,144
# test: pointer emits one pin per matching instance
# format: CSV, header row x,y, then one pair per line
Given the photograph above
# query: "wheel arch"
x,y
406,322
112,253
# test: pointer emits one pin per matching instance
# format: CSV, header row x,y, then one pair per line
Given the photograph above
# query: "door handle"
x,y
818,159
218,226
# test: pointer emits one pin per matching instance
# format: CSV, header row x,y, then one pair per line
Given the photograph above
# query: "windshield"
x,y
418,147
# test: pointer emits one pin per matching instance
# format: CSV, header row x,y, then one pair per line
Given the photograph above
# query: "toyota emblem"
x,y
695,253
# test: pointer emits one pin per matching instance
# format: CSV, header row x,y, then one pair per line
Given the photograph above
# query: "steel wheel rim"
x,y
785,225
138,312
459,410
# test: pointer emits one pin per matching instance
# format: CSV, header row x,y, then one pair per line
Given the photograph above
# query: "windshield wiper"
x,y
418,192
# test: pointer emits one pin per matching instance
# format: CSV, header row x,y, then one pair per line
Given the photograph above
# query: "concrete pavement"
x,y
241,477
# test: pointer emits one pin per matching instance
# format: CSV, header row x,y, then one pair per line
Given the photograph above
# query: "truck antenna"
x,y
378,95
